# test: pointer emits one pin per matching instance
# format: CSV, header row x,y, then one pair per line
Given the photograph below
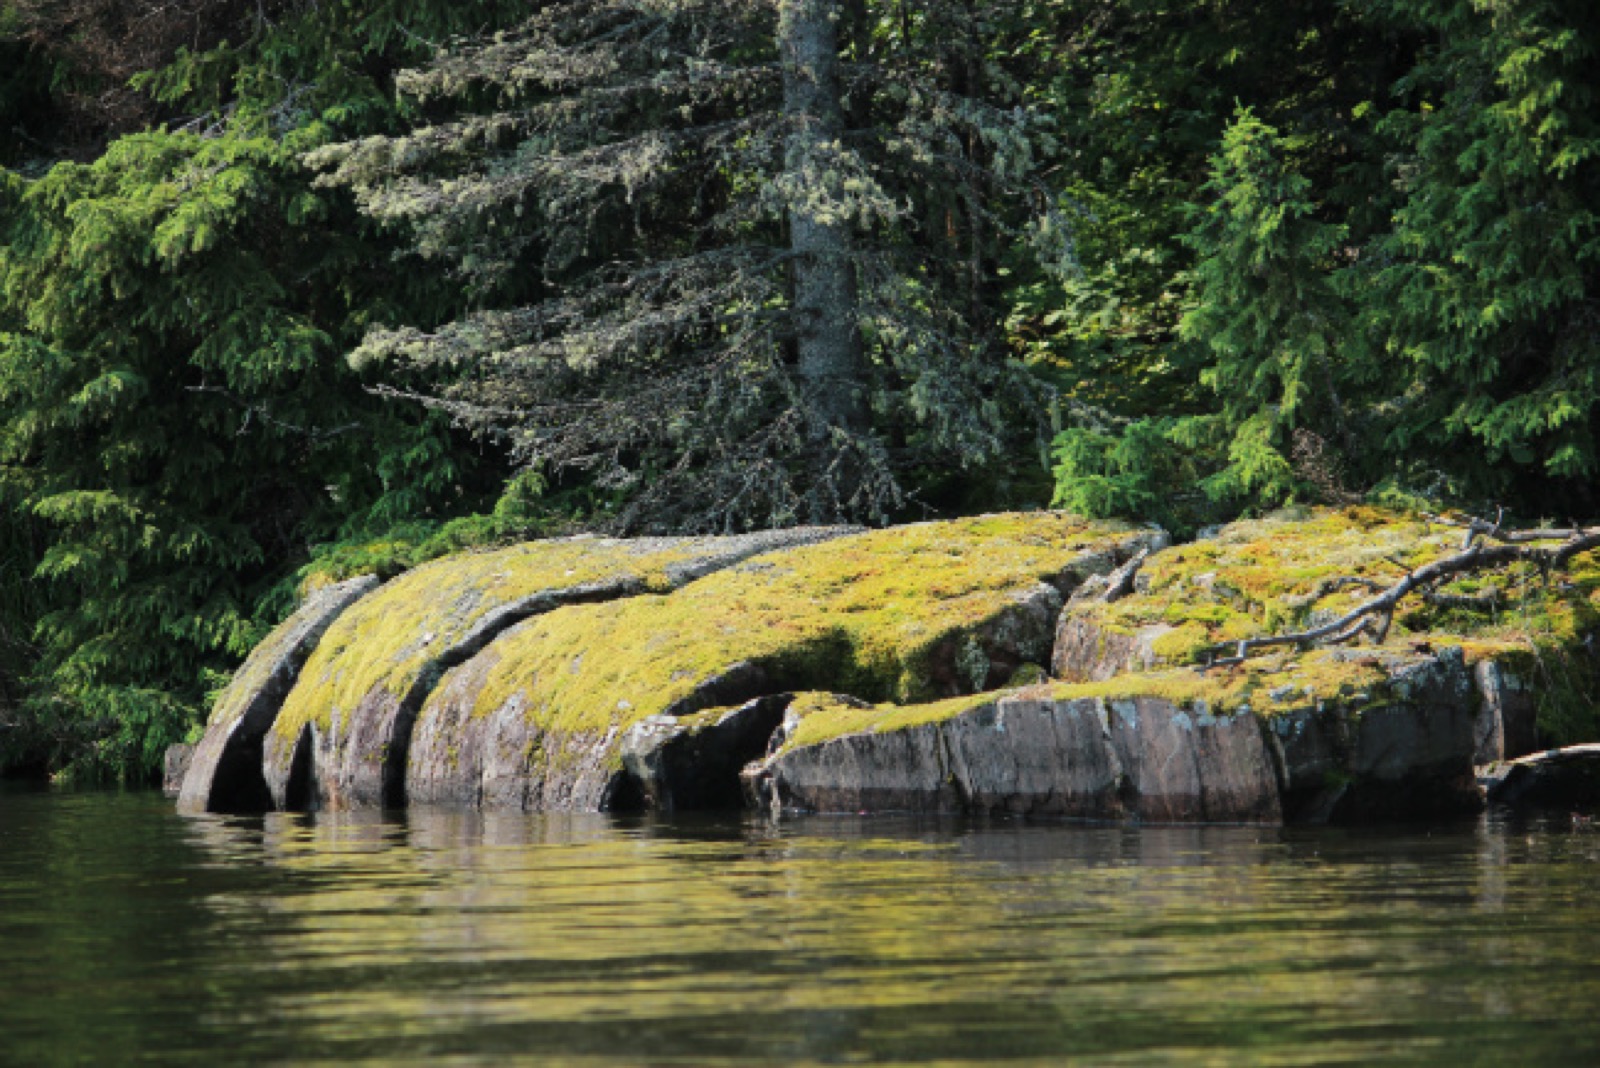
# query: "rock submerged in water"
x,y
225,770
845,671
1562,779
1148,748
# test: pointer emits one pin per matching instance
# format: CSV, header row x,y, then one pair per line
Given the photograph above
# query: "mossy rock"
x,y
358,694
1332,735
1284,574
224,774
906,614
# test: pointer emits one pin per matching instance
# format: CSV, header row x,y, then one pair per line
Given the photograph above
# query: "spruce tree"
x,y
735,260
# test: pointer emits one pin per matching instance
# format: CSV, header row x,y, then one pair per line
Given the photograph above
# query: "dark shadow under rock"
x,y
693,763
1557,779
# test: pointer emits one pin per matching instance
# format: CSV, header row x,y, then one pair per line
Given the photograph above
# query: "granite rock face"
x,y
225,771
1508,713
1146,757
546,716
355,705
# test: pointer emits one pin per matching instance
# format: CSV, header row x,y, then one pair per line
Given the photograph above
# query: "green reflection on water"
x,y
130,934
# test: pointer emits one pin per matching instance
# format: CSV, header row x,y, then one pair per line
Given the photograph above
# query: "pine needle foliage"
x,y
647,197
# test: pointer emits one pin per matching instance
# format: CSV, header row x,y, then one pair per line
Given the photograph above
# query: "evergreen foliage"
x,y
721,272
177,429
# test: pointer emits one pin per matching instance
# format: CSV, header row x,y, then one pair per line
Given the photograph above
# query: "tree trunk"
x,y
828,337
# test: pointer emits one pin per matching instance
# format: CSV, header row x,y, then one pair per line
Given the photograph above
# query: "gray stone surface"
x,y
1556,779
1084,652
1146,758
1507,723
174,766
1084,758
225,774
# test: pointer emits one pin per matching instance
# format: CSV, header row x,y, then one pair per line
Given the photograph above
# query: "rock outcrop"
x,y
839,670
344,732
911,613
1347,740
1284,573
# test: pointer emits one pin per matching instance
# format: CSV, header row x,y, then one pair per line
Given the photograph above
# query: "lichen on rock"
x,y
905,614
359,692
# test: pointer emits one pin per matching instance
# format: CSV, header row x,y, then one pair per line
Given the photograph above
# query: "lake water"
x,y
129,934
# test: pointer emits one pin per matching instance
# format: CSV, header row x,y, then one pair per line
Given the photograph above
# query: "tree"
x,y
177,430
734,261
1388,285
1486,284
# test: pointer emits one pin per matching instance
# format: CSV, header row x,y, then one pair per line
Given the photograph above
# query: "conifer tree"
x,y
734,258
177,428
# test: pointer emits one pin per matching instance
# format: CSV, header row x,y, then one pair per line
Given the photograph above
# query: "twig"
x,y
1477,557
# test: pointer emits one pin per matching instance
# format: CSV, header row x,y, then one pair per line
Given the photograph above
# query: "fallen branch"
x,y
1511,548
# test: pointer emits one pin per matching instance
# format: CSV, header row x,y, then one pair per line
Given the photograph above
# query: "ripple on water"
x,y
586,940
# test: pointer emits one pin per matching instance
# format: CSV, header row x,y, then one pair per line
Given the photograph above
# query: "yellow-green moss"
x,y
823,717
1265,577
389,637
862,615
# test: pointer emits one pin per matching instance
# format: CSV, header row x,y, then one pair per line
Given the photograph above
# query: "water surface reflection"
x,y
587,940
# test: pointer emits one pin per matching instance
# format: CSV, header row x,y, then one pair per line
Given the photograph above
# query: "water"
x,y
128,934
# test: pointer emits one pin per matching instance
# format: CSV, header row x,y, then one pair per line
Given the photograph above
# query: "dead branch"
x,y
1331,585
1374,616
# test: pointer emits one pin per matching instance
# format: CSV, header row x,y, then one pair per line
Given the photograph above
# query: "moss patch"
x,y
1281,574
389,638
875,615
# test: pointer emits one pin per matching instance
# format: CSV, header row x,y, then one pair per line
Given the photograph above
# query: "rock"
x,y
360,692
597,674
1251,579
1086,758
225,774
908,613
1507,721
1398,749
693,762
1088,652
1559,779
175,765
1148,747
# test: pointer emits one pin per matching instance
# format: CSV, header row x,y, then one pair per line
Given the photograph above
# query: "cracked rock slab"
x,y
224,773
358,695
